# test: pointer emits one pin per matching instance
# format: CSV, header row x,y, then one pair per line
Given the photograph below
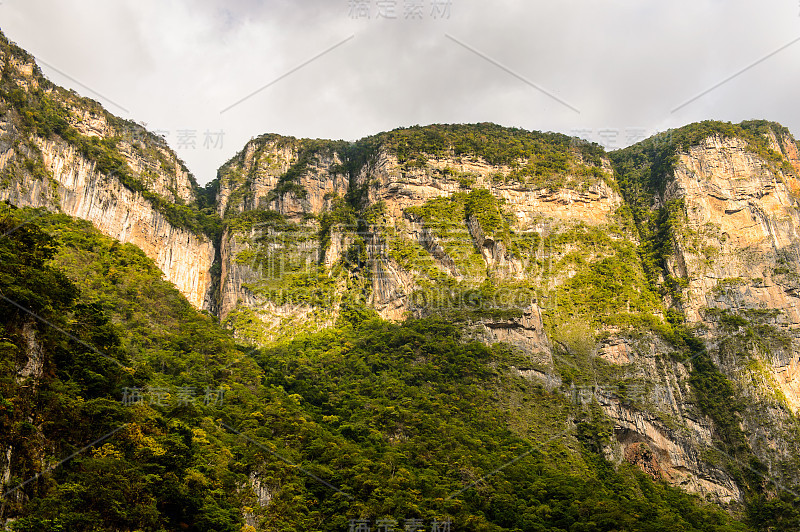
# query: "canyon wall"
x,y
108,171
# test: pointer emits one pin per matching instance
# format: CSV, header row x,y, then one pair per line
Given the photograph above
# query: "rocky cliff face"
x,y
63,152
401,186
740,248
726,220
408,196
332,205
77,189
276,276
287,175
742,222
739,255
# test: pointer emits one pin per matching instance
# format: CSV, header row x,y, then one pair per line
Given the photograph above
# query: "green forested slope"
x,y
368,420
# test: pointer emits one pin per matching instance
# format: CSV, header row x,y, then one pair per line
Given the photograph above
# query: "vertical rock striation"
x,y
66,153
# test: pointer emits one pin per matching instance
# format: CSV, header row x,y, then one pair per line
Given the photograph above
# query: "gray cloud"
x,y
176,64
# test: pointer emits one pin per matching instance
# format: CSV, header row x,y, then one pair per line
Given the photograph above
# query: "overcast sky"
x,y
211,74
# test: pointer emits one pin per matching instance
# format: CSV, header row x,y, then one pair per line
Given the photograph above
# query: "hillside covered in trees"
x,y
369,419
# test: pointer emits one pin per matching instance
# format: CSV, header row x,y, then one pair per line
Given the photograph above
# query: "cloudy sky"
x,y
211,74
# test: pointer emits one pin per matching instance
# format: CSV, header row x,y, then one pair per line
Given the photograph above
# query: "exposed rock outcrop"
x,y
305,182
733,259
66,153
400,187
78,189
287,175
527,333
743,224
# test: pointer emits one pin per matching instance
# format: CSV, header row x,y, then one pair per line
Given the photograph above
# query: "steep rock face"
x,y
272,196
28,371
60,151
233,276
77,189
399,188
263,494
669,454
740,251
306,182
259,276
660,416
527,333
655,422
152,162
743,217
34,357
290,176
728,233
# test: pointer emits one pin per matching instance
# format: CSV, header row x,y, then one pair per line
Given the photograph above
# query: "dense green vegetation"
x,y
545,160
123,327
402,420
124,408
609,286
496,144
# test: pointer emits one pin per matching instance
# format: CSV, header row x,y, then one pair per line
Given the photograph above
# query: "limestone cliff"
x,y
736,246
740,247
718,209
299,211
63,152
742,223
276,278
287,175
405,197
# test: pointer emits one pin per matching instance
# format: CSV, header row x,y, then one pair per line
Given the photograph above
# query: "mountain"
x,y
507,329
601,269
68,153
